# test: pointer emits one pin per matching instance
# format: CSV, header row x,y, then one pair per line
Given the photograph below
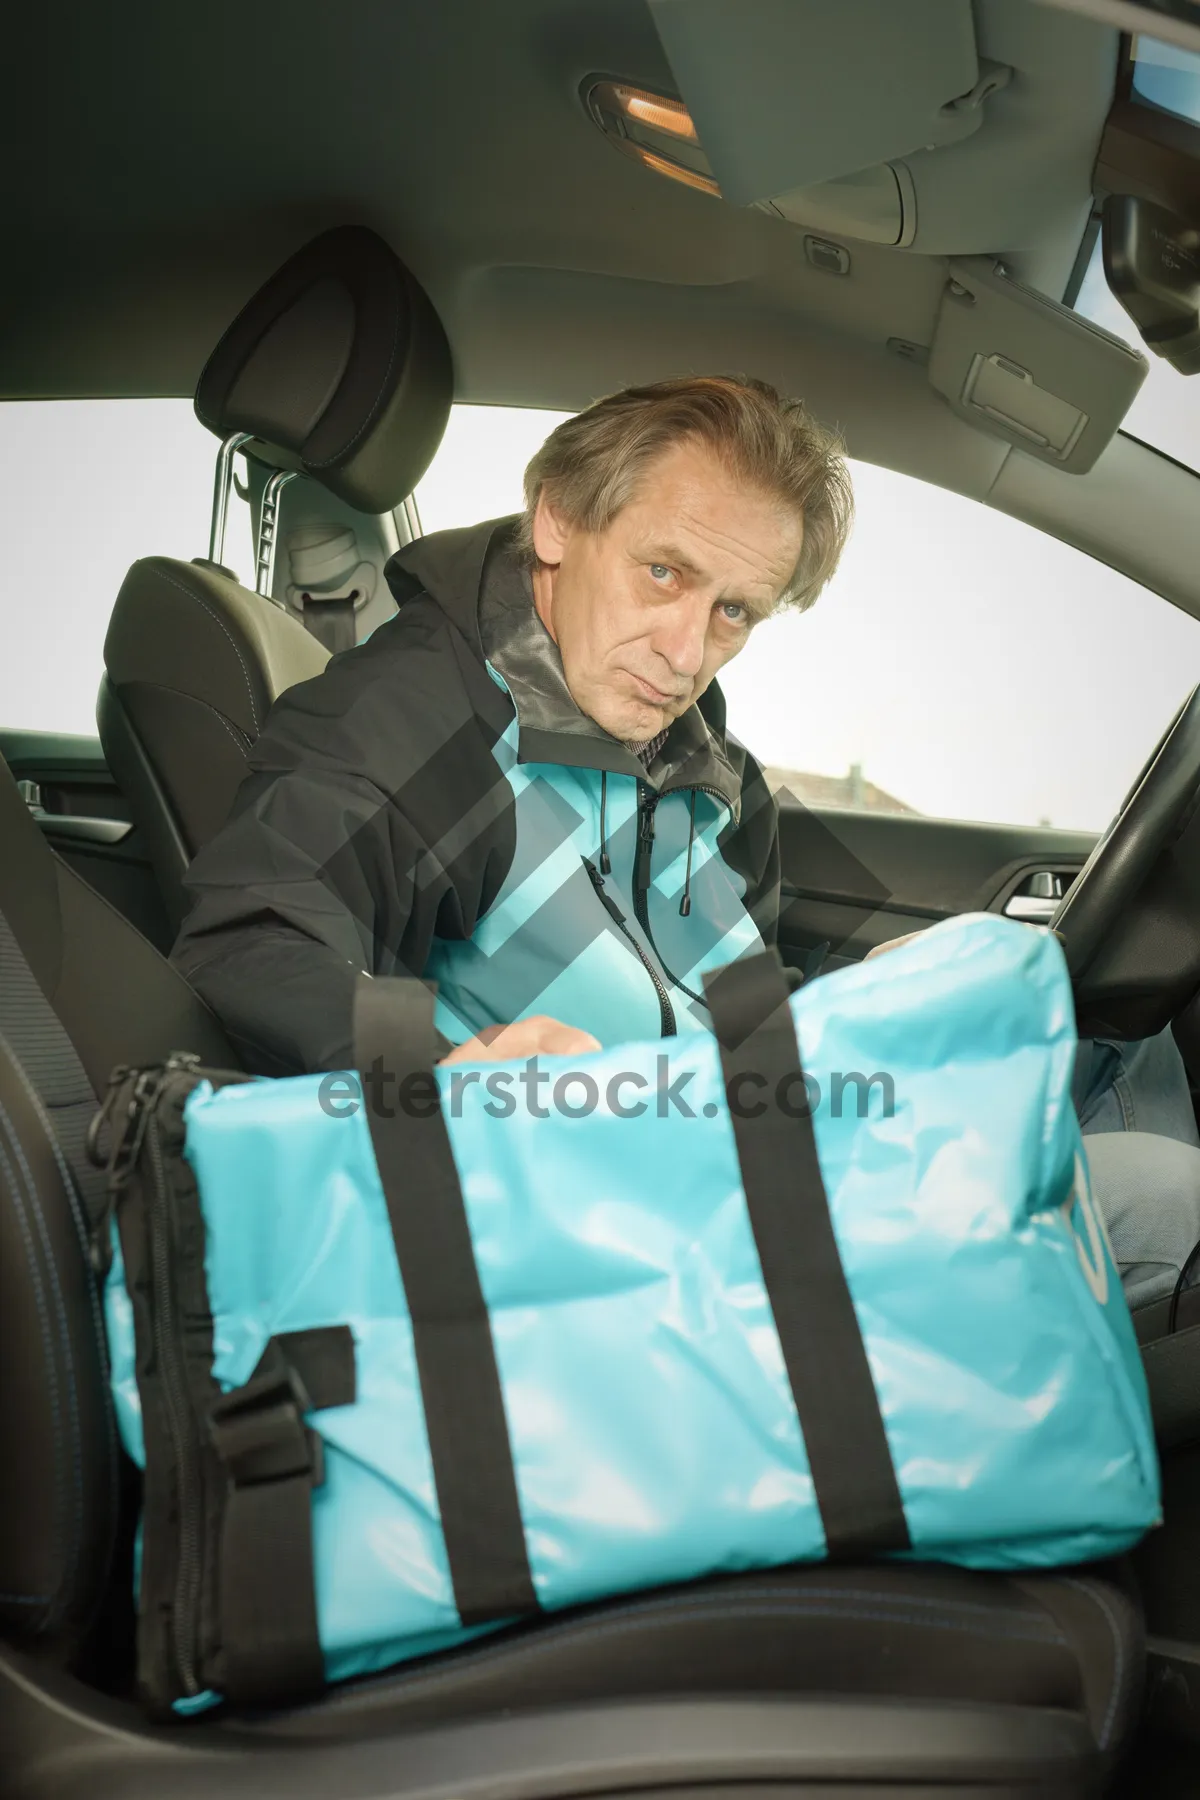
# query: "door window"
x,y
960,664
479,468
965,665
88,486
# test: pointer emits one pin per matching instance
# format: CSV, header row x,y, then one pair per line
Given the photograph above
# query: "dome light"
x,y
655,110
657,130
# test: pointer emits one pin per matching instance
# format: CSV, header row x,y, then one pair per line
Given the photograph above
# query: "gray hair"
x,y
590,465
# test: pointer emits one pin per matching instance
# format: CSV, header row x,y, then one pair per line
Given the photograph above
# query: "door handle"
x,y
76,829
1031,908
1038,898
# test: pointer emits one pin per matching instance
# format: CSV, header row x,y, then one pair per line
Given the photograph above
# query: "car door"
x,y
854,878
954,722
82,814
88,486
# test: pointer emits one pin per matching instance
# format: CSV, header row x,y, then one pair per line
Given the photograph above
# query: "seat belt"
x,y
452,1336
849,1458
331,622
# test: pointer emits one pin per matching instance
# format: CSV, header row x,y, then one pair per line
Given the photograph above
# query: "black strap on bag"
x,y
838,1408
272,1462
395,1049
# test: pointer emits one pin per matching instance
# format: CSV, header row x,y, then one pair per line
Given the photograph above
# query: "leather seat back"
x,y
80,991
193,662
58,1465
338,367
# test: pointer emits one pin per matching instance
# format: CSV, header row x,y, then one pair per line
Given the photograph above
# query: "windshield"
x,y
1167,78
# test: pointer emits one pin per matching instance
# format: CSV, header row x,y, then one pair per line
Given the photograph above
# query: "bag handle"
x,y
857,1493
395,1048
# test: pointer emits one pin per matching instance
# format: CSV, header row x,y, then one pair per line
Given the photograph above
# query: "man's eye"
x,y
659,572
734,612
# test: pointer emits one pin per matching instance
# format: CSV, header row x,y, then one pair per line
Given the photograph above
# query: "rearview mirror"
x,y
1175,21
1152,265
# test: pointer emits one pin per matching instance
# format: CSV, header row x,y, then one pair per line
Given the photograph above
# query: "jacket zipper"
x,y
142,1127
647,803
666,1011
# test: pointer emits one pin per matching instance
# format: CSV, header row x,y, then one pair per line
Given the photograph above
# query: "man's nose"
x,y
680,637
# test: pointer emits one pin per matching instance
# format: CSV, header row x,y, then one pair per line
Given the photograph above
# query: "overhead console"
x,y
951,127
873,122
795,118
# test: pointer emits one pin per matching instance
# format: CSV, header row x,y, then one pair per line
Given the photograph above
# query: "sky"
x,y
972,666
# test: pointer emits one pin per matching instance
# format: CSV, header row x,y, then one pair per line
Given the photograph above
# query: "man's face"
x,y
645,612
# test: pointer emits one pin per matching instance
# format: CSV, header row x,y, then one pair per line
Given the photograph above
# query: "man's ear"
x,y
550,531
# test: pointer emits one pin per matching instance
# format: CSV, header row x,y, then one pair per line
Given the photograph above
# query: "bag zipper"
x,y
141,1128
665,1010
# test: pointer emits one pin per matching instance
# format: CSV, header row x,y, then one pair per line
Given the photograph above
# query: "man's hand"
x,y
911,937
538,1036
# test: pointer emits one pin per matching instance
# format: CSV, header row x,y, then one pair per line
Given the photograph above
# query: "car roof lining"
x,y
190,151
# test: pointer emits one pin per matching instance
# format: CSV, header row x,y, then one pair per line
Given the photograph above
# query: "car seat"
x,y
338,367
828,1679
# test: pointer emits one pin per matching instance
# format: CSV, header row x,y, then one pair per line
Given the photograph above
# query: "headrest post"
x,y
407,510
268,529
221,487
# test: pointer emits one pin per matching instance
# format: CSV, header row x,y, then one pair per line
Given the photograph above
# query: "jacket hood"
x,y
471,577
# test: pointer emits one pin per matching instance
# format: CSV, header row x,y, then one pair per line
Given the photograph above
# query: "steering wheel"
x,y
1130,922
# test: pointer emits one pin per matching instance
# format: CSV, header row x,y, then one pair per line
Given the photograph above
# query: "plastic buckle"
x,y
258,1431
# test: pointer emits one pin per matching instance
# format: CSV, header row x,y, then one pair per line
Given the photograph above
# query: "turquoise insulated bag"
x,y
411,1357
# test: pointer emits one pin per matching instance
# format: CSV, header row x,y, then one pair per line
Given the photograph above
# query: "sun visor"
x,y
1025,369
789,94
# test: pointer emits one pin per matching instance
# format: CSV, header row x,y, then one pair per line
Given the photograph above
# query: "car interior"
x,y
330,227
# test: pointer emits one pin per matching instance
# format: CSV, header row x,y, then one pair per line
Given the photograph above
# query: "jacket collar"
x,y
476,580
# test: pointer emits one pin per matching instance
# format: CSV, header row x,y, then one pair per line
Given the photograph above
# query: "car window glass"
x,y
965,665
960,664
478,470
88,487
1166,76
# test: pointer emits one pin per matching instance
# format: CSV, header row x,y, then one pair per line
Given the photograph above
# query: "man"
x,y
521,786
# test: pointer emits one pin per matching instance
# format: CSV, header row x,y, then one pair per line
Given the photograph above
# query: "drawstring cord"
x,y
685,905
605,864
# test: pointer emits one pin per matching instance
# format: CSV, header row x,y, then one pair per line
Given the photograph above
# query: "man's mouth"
x,y
654,695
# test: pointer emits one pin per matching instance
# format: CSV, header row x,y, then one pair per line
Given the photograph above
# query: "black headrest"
x,y
339,364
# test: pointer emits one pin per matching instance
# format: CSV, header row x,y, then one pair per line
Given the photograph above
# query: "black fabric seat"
x,y
1070,1642
338,367
1029,1683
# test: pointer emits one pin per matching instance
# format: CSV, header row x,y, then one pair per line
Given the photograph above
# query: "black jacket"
x,y
423,808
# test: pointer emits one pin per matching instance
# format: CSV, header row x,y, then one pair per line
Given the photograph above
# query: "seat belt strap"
x,y
395,1048
826,1361
331,622
272,1463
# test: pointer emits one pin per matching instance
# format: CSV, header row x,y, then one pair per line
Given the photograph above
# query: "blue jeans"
x,y
1136,1114
1140,1086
